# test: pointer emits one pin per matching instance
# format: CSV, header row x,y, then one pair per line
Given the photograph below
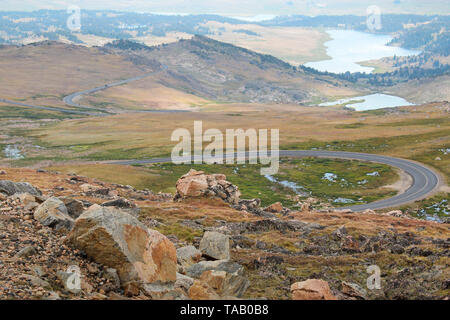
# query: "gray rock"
x,y
183,282
9,188
196,270
119,203
215,245
353,290
226,284
112,275
188,255
340,232
116,239
157,290
36,281
397,249
53,213
74,207
26,252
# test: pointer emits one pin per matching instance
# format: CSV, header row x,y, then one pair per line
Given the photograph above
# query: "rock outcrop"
x,y
53,213
198,184
188,255
9,188
118,240
312,289
215,245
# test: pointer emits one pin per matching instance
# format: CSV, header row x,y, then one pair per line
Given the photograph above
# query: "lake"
x,y
349,47
370,102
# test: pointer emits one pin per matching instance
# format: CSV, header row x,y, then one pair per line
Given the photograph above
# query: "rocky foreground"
x,y
204,243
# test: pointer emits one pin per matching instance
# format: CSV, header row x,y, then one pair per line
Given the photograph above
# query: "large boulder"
x,y
118,240
215,245
276,207
312,289
226,284
53,213
198,184
9,188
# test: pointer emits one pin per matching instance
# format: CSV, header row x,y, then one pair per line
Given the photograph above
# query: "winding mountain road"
x,y
425,180
69,100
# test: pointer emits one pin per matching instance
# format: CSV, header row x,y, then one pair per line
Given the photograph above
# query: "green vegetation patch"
x,y
8,112
351,125
342,182
436,208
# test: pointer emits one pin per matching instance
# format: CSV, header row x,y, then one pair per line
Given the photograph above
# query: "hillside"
x,y
224,72
206,247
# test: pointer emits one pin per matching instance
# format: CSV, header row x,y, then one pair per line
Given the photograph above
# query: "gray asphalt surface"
x,y
92,111
69,99
425,181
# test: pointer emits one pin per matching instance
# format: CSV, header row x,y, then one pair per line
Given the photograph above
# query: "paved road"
x,y
69,100
425,181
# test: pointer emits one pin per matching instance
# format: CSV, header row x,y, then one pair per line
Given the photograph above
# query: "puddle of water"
x,y
299,190
12,152
330,177
343,200
436,211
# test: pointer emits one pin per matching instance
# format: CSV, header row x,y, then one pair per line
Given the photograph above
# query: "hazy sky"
x,y
237,7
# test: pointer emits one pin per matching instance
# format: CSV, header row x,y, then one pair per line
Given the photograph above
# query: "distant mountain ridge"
x,y
221,71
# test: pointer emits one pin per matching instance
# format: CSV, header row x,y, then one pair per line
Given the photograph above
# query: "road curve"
x,y
69,99
425,180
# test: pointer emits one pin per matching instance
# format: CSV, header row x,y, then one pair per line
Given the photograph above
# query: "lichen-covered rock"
x,y
196,270
276,207
188,255
74,207
202,291
353,290
312,289
215,245
53,213
9,188
24,198
198,184
118,240
226,284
